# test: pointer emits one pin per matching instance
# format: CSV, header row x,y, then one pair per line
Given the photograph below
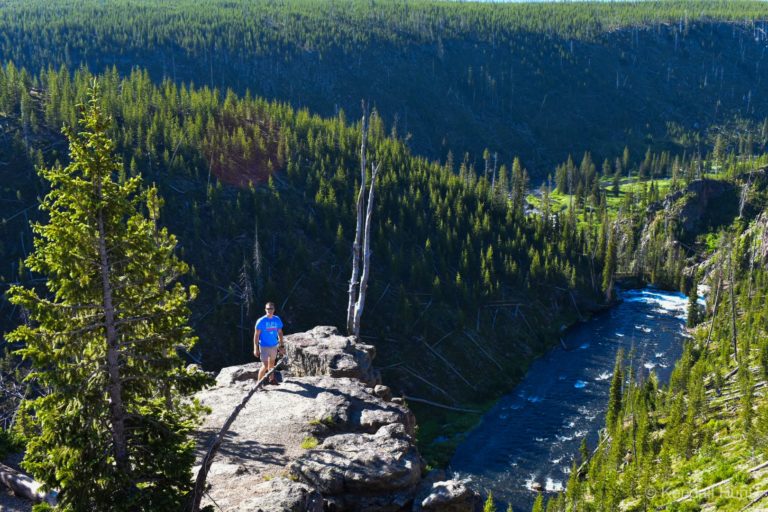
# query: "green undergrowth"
x,y
630,190
309,443
698,443
10,442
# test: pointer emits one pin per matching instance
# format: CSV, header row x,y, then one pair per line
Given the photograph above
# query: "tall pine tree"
x,y
111,429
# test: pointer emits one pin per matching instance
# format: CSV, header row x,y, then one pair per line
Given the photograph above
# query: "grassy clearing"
x,y
629,190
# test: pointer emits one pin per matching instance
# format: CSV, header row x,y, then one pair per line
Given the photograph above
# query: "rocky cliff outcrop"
x,y
702,204
322,351
330,437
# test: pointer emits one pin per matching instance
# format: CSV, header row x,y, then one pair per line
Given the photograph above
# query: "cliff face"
x,y
328,437
703,205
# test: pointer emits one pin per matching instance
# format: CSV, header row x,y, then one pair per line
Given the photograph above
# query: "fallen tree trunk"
x,y
442,406
205,466
25,486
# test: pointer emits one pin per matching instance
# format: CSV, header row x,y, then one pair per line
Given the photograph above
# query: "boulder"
x,y
447,496
383,392
232,374
323,351
282,494
373,472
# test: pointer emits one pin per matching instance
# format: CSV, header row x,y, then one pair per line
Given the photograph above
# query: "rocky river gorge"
x,y
532,435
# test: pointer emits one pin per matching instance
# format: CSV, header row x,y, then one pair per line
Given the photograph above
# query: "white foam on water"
x,y
571,424
553,485
539,439
534,399
556,461
649,365
659,354
582,433
459,475
619,335
580,384
665,300
503,416
563,439
604,376
584,346
529,482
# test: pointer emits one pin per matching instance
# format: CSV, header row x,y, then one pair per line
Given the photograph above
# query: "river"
x,y
534,433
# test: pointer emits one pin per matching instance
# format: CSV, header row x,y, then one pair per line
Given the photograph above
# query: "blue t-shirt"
x,y
268,328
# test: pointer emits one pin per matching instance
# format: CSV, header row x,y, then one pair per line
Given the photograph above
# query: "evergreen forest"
x,y
532,156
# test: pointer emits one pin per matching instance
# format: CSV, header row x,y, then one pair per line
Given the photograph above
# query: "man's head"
x,y
269,307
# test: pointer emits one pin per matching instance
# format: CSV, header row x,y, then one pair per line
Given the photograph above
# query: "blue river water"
x,y
533,434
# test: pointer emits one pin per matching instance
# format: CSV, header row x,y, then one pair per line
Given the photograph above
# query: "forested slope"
x,y
261,197
535,80
259,186
697,443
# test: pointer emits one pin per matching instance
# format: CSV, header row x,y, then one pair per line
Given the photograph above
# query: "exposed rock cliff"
x,y
365,457
703,204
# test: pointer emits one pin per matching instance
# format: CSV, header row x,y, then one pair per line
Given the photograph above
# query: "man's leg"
x,y
262,370
264,354
271,365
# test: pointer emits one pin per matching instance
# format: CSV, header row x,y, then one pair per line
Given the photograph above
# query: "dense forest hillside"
x,y
698,442
535,80
455,261
245,116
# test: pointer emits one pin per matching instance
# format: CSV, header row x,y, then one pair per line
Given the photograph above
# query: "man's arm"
x,y
256,350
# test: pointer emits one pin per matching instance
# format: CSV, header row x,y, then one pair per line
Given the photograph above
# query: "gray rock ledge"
x,y
321,440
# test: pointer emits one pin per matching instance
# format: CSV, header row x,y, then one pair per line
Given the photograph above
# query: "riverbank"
x,y
531,437
441,431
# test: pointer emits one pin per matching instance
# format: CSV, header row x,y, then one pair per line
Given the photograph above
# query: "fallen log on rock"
x,y
25,486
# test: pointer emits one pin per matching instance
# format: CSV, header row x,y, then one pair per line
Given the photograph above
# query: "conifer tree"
x,y
111,431
489,505
609,268
693,306
615,393
538,504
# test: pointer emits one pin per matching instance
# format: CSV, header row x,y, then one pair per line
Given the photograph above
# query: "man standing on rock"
x,y
268,341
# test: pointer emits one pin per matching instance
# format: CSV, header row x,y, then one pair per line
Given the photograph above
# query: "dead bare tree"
x,y
357,244
732,285
361,248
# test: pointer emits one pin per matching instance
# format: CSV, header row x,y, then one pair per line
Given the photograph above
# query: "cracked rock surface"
x,y
358,453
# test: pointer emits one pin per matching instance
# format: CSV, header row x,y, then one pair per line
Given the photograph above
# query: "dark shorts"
x,y
268,353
